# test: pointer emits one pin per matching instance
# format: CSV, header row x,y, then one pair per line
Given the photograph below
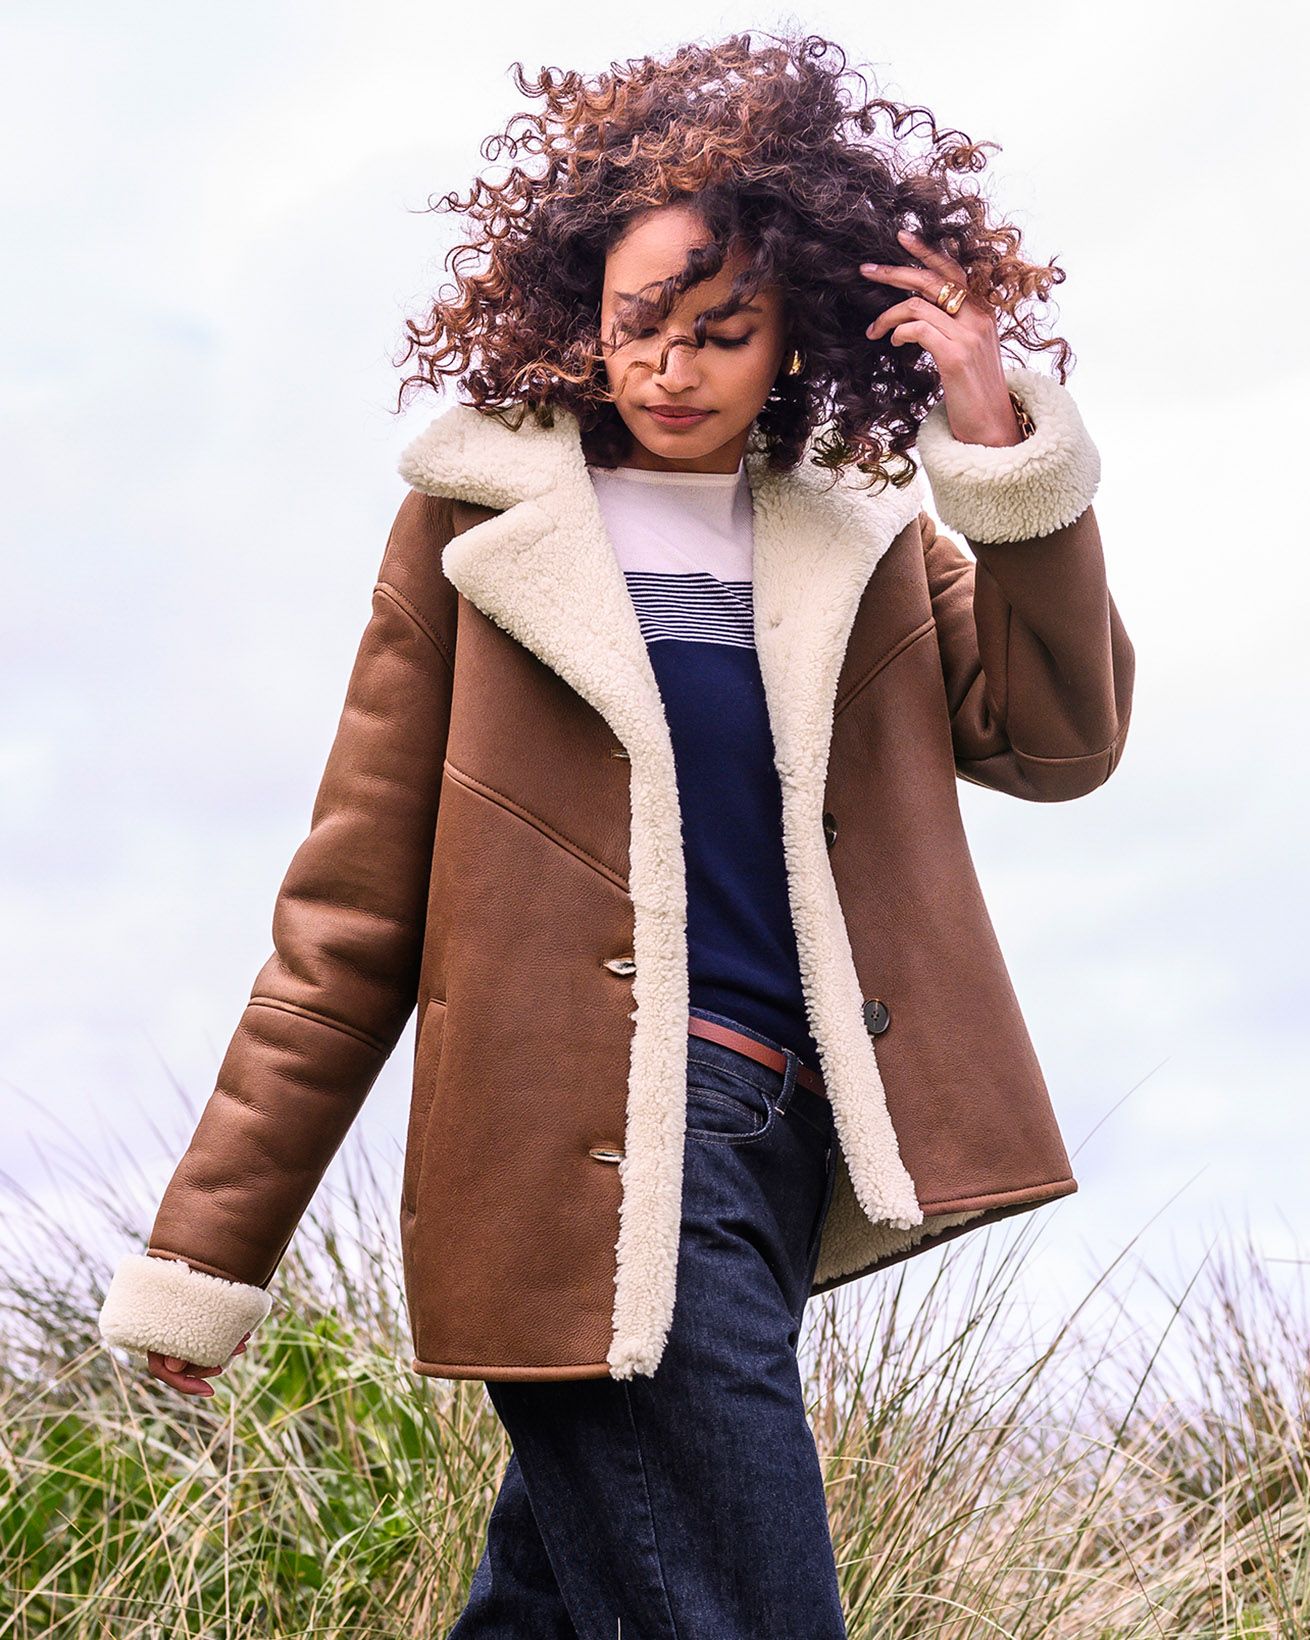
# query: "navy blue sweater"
x,y
683,541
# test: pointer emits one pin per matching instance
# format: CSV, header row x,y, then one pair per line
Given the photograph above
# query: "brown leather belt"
x,y
758,1051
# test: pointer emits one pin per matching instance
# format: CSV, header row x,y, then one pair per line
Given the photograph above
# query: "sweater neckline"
x,y
648,475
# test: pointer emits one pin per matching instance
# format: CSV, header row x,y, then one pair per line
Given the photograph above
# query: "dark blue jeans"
x,y
687,1504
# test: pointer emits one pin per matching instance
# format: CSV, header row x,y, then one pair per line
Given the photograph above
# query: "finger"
x,y
927,280
914,310
176,1376
919,281
924,335
899,274
913,307
175,1364
937,260
185,1382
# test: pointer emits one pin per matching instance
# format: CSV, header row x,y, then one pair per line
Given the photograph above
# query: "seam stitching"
x,y
366,1037
154,1250
998,1198
650,1507
507,803
408,607
1080,757
897,649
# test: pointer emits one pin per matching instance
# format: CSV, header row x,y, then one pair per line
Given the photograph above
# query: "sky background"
x,y
215,228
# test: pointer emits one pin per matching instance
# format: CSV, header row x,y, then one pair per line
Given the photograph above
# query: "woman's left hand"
x,y
964,345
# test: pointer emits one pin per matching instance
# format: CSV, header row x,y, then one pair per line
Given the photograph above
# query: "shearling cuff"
x,y
1012,492
163,1304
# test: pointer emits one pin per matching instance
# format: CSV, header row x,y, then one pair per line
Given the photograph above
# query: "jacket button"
x,y
621,965
877,1016
830,828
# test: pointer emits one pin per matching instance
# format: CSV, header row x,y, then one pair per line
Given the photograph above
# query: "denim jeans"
x,y
686,1504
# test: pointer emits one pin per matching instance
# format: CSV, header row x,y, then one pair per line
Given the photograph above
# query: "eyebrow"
x,y
747,307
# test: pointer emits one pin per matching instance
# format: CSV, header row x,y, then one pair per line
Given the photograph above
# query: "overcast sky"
x,y
214,228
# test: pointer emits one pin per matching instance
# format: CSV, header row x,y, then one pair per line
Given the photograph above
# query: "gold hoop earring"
x,y
797,363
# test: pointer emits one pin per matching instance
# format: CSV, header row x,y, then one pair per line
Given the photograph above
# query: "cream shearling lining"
x,y
1013,492
166,1305
543,568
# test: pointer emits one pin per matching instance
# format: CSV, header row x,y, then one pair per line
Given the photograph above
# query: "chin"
x,y
680,444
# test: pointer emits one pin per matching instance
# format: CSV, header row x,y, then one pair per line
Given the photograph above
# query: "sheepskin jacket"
x,y
495,847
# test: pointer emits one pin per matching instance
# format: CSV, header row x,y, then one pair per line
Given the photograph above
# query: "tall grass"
x,y
981,1482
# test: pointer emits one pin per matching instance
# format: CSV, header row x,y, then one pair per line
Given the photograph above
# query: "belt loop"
x,y
788,1080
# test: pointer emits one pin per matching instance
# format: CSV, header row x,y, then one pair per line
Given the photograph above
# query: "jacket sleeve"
x,y
328,1005
1037,665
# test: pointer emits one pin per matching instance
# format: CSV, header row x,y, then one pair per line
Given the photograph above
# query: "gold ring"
x,y
951,297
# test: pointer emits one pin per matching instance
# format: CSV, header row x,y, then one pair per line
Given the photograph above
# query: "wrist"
x,y
1020,492
1007,426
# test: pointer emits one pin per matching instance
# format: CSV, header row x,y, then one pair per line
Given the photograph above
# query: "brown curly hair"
x,y
783,161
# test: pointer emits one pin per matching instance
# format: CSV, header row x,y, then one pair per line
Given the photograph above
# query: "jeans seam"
x,y
694,1064
825,1201
724,1103
714,1137
650,1506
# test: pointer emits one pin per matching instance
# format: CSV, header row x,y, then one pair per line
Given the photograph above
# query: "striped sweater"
x,y
684,543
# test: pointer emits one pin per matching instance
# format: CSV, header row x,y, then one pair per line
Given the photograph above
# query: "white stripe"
x,y
695,608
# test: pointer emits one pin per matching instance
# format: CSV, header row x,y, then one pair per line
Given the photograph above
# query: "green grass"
x,y
978,1487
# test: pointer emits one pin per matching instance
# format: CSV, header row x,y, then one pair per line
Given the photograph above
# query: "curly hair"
x,y
783,162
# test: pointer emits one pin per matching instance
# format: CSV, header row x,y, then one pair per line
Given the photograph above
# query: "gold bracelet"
x,y
1026,423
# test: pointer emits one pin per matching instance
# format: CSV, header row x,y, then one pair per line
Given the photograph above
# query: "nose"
x,y
681,367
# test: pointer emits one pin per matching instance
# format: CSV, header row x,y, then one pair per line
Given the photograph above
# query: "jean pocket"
x,y
725,1108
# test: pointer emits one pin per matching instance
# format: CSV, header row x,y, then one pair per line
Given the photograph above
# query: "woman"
x,y
646,781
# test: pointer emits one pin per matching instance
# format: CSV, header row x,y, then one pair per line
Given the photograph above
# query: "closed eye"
x,y
719,341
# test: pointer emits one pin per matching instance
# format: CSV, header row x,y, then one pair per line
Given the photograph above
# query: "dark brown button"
x,y
877,1016
830,828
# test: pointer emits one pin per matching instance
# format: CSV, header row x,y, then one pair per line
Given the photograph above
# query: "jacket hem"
x,y
1032,1195
509,1371
983,1210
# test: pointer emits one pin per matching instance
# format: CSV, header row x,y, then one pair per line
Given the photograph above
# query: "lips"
x,y
680,417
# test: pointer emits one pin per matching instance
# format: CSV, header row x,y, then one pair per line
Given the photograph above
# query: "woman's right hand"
x,y
186,1376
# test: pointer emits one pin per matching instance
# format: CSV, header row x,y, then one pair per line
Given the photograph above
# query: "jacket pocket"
x,y
427,1062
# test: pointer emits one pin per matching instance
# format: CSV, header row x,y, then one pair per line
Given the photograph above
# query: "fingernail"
x,y
173,1363
870,267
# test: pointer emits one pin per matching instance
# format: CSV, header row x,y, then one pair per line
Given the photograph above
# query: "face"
x,y
725,383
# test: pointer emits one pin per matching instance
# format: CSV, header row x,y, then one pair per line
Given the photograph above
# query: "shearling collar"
x,y
544,567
